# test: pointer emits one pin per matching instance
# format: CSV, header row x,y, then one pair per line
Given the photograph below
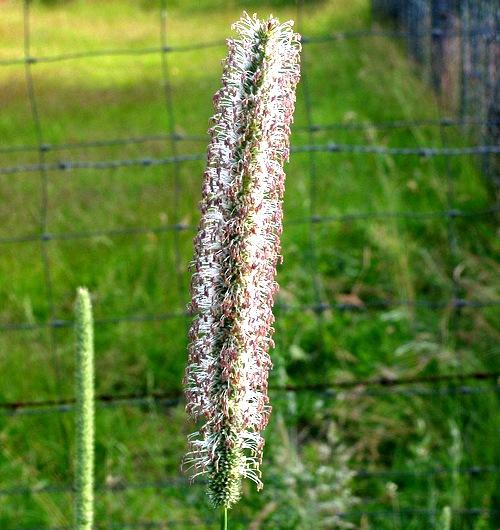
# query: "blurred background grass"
x,y
316,443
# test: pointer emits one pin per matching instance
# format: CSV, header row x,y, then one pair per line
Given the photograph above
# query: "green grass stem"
x,y
223,518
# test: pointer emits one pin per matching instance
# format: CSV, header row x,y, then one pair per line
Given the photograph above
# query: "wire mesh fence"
x,y
456,45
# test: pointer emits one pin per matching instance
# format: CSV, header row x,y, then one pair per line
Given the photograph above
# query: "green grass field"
x,y
316,441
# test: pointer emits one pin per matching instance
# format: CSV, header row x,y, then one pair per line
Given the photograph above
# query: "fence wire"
x,y
425,152
176,482
333,388
433,32
203,522
180,137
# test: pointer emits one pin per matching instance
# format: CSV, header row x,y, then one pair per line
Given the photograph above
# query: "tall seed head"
x,y
236,251
84,481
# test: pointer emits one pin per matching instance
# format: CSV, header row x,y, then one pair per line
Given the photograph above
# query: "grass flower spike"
x,y
84,483
236,251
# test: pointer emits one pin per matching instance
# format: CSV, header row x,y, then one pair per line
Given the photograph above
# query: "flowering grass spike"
x,y
84,479
236,251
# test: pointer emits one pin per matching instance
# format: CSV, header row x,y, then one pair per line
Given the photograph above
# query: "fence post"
x,y
440,21
491,110
491,162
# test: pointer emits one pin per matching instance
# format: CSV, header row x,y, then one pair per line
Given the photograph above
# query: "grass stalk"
x,y
223,518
